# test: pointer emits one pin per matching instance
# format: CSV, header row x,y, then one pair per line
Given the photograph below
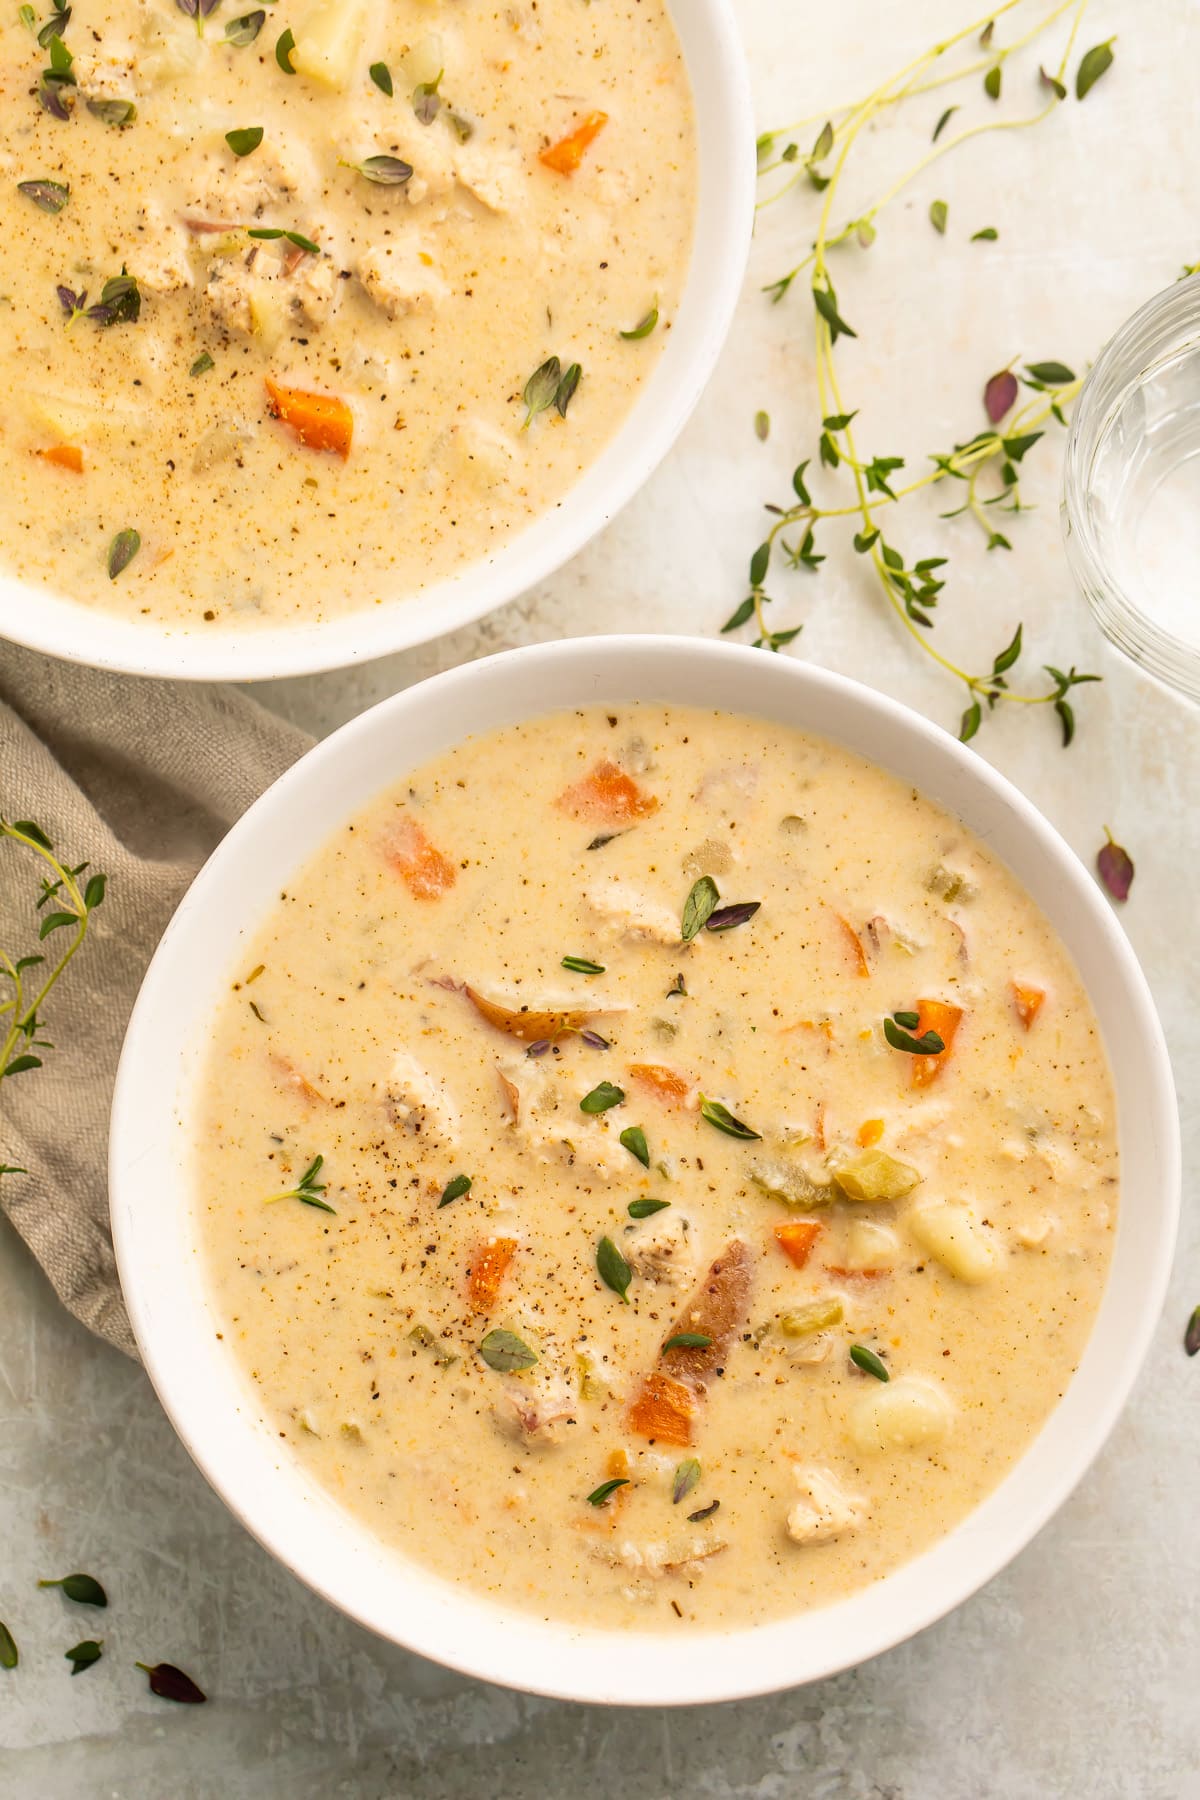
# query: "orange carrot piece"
x,y
321,421
565,156
425,872
608,794
531,1027
854,945
667,1085
63,456
662,1411
488,1269
943,1017
870,1132
796,1239
1028,1001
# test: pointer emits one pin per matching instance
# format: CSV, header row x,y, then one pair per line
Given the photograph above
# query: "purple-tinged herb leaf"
x,y
686,1477
53,99
170,1683
426,101
1191,1337
538,1049
1000,395
122,551
727,917
51,196
71,302
391,171
120,301
594,1040
706,1512
1052,82
1116,867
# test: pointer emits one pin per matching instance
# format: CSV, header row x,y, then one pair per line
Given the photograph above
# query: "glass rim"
x,y
1164,325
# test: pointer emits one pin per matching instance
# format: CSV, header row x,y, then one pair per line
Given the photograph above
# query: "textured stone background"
x,y
1076,1672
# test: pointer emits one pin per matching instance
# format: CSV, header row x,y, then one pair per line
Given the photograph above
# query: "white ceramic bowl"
x,y
213,1406
724,218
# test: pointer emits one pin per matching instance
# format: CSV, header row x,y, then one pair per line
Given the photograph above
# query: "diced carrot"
x,y
530,1026
819,1027
667,1085
608,794
63,456
565,156
796,1239
426,873
943,1017
1028,1001
854,944
662,1410
321,421
870,1132
488,1269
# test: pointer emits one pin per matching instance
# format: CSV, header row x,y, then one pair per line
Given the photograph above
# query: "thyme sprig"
x,y
986,464
24,992
308,1190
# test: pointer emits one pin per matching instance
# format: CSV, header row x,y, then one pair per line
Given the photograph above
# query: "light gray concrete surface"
x,y
1076,1672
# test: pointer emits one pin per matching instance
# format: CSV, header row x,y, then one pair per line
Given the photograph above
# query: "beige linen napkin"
x,y
139,779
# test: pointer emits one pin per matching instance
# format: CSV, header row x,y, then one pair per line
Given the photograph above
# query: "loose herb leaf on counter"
x,y
10,1656
644,326
122,551
612,1268
988,235
308,1189
1115,866
633,1139
898,1031
84,1590
51,196
1191,1336
868,1362
938,214
723,1119
599,1495
170,1683
645,1209
454,1190
686,1477
506,1353
1000,395
698,907
83,1655
602,1096
21,1014
579,965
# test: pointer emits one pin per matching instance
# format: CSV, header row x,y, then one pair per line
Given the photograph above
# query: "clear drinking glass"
x,y
1131,493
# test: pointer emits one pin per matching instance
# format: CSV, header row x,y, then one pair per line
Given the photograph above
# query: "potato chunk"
x,y
949,1231
910,1413
874,1175
329,43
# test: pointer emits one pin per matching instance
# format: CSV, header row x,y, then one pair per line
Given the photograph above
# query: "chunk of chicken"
x,y
537,1407
551,1131
255,294
664,1252
417,1102
400,277
313,289
493,174
105,75
229,292
824,1510
633,914
159,256
239,190
681,1557
474,454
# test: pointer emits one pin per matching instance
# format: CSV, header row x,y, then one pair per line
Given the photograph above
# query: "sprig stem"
x,y
75,907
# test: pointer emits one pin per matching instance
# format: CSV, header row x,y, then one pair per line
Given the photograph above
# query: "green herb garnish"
x,y
384,171
1095,63
599,1495
602,1096
122,551
245,139
698,907
868,1362
988,235
505,1352
202,364
381,75
938,214
272,233
21,1031
285,43
723,1119
612,1268
687,1475
633,1138
308,1189
706,1512
84,1655
113,112
9,1654
84,1590
51,196
688,1340
898,1031
426,101
581,966
170,1683
1191,1336
644,326
539,391
454,1190
566,389
645,1209
243,31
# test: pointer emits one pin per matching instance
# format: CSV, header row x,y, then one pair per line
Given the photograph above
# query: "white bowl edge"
x,y
211,1405
61,627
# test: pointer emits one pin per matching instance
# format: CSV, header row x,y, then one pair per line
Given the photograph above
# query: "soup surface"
x,y
334,280
600,1206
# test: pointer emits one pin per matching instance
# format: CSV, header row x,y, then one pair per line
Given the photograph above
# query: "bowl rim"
x,y
302,1527
59,626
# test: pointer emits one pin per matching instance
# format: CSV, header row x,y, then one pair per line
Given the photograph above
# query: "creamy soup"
x,y
718,1168
325,299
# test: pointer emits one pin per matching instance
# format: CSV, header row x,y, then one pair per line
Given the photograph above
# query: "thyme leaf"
x,y
699,907
9,1654
84,1590
633,1138
122,551
687,1340
579,965
245,139
243,31
308,1190
454,1190
644,326
645,1209
687,1476
898,1031
601,1097
84,1655
505,1352
51,196
868,1362
605,1491
612,1268
1115,867
381,75
724,1120
1097,62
